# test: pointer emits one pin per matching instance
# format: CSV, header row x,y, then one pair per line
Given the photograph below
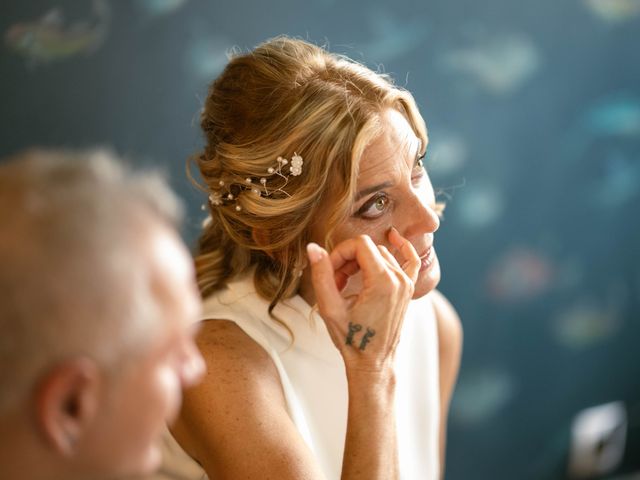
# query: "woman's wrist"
x,y
371,379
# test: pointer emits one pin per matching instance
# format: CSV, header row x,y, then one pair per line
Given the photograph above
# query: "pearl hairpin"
x,y
217,198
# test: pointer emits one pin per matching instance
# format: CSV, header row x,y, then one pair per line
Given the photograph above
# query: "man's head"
x,y
97,296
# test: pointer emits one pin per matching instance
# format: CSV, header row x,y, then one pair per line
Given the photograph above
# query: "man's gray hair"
x,y
71,280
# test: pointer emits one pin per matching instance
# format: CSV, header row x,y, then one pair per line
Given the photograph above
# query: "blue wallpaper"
x,y
533,110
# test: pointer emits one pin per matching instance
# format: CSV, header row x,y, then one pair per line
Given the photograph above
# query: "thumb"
x,y
324,282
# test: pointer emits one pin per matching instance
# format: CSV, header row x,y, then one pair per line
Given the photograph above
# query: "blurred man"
x,y
97,299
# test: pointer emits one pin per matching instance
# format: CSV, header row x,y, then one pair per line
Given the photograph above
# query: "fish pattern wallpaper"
x,y
533,111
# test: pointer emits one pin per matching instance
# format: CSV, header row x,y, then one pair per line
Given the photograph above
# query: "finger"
x,y
410,258
342,275
363,251
391,260
322,278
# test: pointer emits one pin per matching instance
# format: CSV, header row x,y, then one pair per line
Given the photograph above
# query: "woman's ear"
x,y
67,402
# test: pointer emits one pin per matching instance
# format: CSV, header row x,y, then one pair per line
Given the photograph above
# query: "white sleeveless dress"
x,y
313,379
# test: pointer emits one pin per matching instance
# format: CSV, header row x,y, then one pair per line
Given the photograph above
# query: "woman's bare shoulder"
x,y
449,324
240,407
234,358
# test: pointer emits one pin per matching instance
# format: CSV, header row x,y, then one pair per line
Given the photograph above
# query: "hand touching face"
x,y
393,190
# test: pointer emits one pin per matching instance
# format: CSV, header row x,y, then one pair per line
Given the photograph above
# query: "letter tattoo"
x,y
353,328
365,339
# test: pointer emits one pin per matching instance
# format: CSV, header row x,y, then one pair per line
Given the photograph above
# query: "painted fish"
x,y
585,324
614,10
479,206
519,275
480,395
498,63
48,39
393,36
158,8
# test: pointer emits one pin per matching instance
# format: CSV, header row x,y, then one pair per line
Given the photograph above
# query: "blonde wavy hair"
x,y
286,96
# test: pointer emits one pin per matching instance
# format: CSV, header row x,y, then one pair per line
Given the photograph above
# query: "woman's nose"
x,y
421,218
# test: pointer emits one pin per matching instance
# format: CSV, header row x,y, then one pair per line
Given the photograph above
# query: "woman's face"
x,y
393,189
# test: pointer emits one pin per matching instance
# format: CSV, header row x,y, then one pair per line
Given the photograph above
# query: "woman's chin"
x,y
428,278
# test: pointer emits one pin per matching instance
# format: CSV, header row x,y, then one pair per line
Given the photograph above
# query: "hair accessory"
x,y
260,186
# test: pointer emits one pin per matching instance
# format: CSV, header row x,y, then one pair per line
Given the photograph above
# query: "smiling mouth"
x,y
426,260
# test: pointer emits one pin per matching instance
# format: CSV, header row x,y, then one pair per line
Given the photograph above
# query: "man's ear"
x,y
67,401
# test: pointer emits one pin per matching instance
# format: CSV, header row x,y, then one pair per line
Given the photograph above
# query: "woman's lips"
x,y
426,260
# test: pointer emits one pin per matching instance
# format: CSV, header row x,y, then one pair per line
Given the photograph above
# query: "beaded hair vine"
x,y
260,186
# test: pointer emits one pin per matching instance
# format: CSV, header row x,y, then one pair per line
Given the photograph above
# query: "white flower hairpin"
x,y
261,186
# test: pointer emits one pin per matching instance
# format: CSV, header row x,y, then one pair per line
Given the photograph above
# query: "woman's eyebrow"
x,y
368,190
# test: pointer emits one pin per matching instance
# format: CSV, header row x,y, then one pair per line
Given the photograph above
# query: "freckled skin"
x,y
243,393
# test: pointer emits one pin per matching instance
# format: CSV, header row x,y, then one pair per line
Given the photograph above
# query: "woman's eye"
x,y
418,169
375,207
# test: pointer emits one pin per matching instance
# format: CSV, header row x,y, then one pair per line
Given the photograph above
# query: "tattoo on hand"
x,y
353,328
365,339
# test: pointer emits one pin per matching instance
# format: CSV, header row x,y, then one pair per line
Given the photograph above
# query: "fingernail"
x,y
315,252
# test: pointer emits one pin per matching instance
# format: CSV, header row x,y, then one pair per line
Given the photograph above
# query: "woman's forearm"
x,y
366,328
371,451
